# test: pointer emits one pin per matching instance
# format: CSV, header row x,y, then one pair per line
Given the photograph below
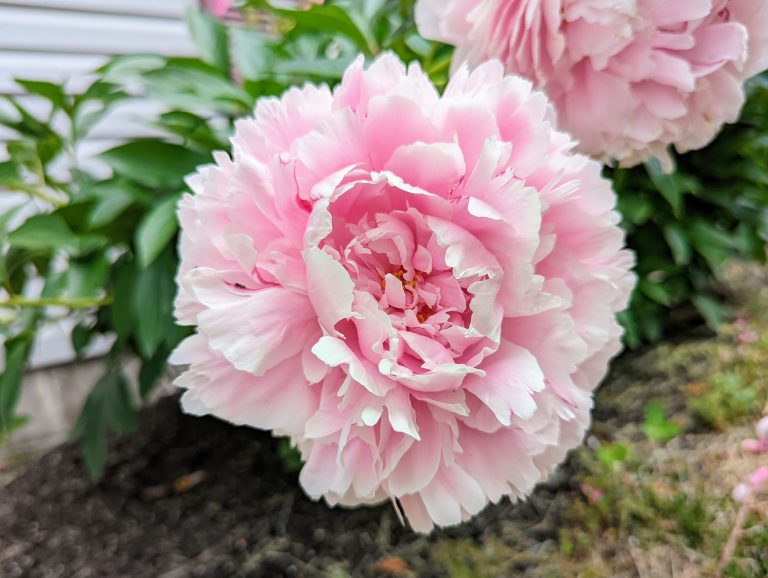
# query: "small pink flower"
x,y
593,495
759,445
748,336
419,290
754,485
629,78
217,7
759,478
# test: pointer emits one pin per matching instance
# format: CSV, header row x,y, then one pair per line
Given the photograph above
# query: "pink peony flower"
x,y
628,77
220,8
419,290
217,7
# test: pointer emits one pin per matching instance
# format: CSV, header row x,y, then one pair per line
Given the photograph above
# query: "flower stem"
x,y
74,303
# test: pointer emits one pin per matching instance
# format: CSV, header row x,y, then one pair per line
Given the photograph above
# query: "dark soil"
x,y
193,496
198,497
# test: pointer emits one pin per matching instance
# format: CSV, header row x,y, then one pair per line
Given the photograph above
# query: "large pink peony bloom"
x,y
628,77
419,290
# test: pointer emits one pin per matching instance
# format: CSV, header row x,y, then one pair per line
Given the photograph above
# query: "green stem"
x,y
40,194
74,303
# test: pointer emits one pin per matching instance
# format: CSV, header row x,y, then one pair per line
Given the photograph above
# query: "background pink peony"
x,y
419,290
627,77
221,7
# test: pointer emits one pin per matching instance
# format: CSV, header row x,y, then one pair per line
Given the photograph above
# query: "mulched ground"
x,y
198,497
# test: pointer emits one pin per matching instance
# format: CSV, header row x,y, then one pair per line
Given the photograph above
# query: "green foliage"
x,y
657,426
614,455
105,247
289,456
108,407
632,500
683,226
726,400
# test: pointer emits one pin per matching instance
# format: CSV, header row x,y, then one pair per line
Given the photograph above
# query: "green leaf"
x,y
9,172
129,68
154,163
323,68
81,336
54,93
7,217
712,311
613,455
16,353
635,208
108,407
251,51
107,209
47,232
91,106
711,243
151,371
86,277
16,423
121,311
192,84
290,458
193,128
155,230
327,18
210,36
631,332
651,325
668,184
656,425
656,292
678,243
153,294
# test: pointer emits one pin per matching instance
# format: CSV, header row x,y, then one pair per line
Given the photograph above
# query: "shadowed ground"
x,y
197,497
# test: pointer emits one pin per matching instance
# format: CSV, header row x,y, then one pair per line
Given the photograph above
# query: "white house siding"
x,y
64,41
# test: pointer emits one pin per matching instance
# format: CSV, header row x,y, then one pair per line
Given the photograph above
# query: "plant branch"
x,y
733,539
73,303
